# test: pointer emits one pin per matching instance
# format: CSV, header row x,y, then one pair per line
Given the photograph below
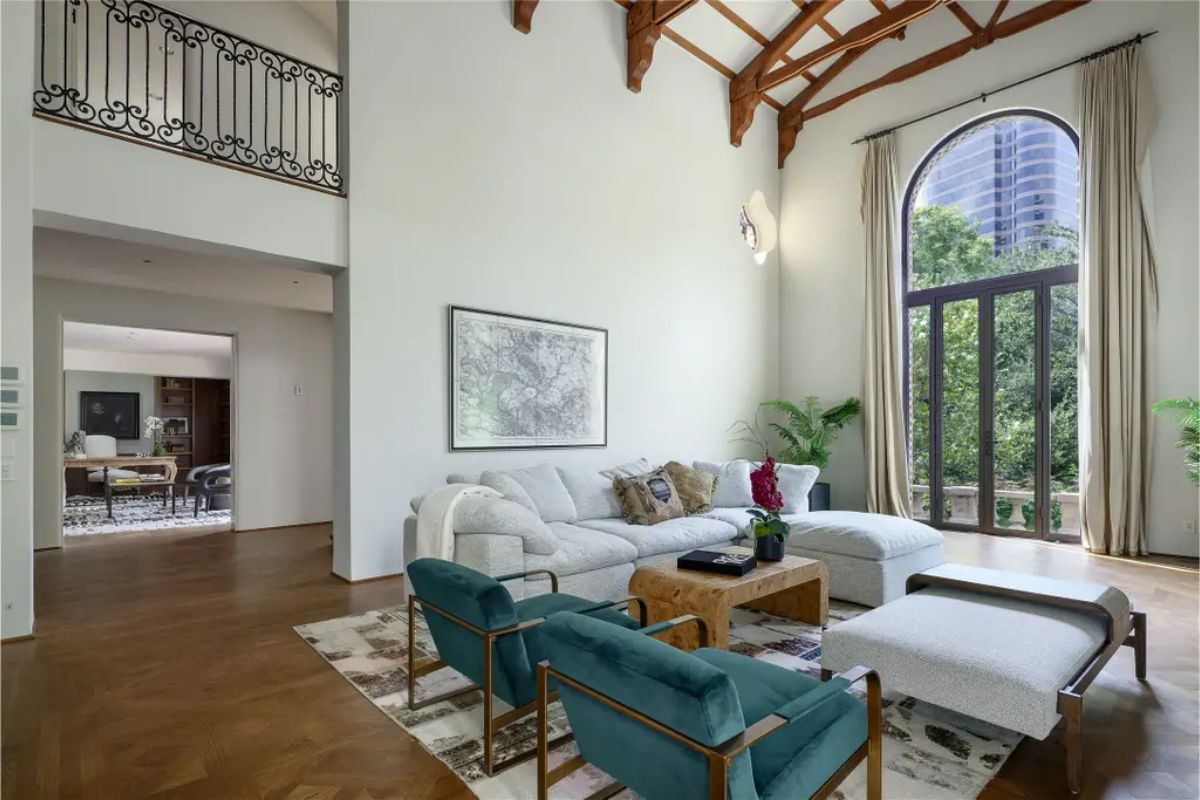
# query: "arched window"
x,y
991,233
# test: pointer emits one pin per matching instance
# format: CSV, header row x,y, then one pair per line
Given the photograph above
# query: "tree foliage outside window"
x,y
947,248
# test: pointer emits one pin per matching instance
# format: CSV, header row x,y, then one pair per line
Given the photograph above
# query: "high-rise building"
x,y
1013,177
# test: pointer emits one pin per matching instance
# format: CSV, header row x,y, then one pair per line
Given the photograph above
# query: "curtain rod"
x,y
983,96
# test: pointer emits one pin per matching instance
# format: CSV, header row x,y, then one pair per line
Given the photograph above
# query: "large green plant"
x,y
1189,422
806,431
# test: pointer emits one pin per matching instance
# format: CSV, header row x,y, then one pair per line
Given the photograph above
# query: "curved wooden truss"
x,y
772,67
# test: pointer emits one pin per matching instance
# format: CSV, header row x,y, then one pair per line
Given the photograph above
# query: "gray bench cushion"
x,y
683,533
581,550
993,658
853,533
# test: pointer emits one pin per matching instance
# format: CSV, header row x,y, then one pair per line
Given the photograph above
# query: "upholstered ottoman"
x,y
869,556
1014,650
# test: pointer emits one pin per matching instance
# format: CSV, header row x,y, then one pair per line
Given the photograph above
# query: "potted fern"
x,y
807,434
1189,422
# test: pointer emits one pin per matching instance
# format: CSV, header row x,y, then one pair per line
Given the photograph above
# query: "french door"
x,y
991,404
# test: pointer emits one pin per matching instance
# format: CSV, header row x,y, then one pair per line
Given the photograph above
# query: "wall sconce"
x,y
758,226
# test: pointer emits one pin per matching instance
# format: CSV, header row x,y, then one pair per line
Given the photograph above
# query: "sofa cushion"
x,y
795,482
648,499
639,466
508,486
737,517
683,533
582,550
733,482
497,515
463,477
695,487
877,537
592,494
550,497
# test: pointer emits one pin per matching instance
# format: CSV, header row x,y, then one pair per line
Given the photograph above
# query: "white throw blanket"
x,y
435,518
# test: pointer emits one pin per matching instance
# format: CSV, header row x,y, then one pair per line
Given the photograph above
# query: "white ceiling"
x,y
145,341
93,259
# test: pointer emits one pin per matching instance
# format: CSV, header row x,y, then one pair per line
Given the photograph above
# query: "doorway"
x,y
147,430
991,310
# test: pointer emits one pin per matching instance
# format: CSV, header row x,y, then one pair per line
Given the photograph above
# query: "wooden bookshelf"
x,y
197,412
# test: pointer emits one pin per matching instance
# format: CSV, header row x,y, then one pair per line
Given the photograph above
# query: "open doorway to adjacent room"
x,y
148,419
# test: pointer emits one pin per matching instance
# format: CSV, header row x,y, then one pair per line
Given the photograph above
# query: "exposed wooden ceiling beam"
x,y
643,25
878,27
748,29
1010,27
995,18
882,7
822,23
791,117
964,17
523,14
744,95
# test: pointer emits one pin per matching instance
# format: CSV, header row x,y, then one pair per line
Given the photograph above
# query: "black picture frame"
x,y
115,414
455,445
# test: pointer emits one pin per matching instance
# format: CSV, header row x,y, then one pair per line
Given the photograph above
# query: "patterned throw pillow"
x,y
648,499
695,487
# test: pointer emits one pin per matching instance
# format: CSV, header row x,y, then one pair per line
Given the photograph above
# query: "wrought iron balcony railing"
x,y
142,72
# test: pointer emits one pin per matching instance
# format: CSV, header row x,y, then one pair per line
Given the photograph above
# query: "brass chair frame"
x,y
719,757
491,724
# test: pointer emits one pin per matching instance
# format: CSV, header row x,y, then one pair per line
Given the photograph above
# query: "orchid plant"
x,y
768,501
154,430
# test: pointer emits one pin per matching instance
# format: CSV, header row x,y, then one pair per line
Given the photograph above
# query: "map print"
x,y
526,383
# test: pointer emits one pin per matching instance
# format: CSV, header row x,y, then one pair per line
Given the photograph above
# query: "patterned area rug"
x,y
929,753
87,516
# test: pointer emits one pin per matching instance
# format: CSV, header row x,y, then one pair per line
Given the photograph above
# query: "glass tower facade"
x,y
1012,176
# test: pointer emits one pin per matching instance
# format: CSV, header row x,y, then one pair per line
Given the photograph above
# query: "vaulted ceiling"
x,y
784,54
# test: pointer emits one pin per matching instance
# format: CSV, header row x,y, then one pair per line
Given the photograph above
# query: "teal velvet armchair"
x,y
482,633
669,724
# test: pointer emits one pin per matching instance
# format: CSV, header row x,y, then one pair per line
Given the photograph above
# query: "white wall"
x,y
16,313
147,363
282,442
521,175
76,381
821,231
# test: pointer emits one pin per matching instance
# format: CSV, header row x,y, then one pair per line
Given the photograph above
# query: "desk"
x,y
127,462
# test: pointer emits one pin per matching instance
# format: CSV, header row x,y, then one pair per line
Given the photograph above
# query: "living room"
x,y
556,185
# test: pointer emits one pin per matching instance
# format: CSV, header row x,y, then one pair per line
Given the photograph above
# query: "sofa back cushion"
x,y
463,477
544,489
733,482
592,494
508,486
795,482
648,499
695,487
629,469
506,518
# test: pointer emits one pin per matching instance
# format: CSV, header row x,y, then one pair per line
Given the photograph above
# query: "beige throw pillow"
x,y
694,486
648,499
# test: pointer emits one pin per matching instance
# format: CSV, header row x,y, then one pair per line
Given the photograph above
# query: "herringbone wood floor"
x,y
165,666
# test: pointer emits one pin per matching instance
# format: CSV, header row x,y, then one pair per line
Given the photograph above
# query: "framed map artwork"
x,y
523,383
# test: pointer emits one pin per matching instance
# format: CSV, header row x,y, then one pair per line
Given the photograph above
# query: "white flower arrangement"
x,y
154,427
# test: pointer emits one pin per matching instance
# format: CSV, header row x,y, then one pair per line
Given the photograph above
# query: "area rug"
x,y
87,516
929,753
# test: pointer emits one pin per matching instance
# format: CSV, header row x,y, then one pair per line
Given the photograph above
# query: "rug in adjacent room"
x,y
929,753
86,516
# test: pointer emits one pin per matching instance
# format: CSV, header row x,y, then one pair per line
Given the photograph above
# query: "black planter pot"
x,y
818,497
768,548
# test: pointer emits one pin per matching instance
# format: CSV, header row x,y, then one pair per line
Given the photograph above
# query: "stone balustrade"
x,y
963,504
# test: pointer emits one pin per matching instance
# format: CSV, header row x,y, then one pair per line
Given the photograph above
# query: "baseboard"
x,y
281,527
344,579
25,637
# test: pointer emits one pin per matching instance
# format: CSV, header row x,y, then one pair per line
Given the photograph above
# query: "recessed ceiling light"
x,y
147,261
295,283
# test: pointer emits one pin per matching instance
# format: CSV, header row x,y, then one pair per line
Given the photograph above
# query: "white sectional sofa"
x,y
595,551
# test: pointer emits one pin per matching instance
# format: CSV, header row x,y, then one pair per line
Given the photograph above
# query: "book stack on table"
x,y
716,561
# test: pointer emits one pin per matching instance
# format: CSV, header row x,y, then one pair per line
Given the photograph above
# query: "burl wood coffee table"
x,y
796,588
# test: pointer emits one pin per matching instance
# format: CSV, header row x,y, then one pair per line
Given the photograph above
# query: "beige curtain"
x,y
1118,303
884,437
